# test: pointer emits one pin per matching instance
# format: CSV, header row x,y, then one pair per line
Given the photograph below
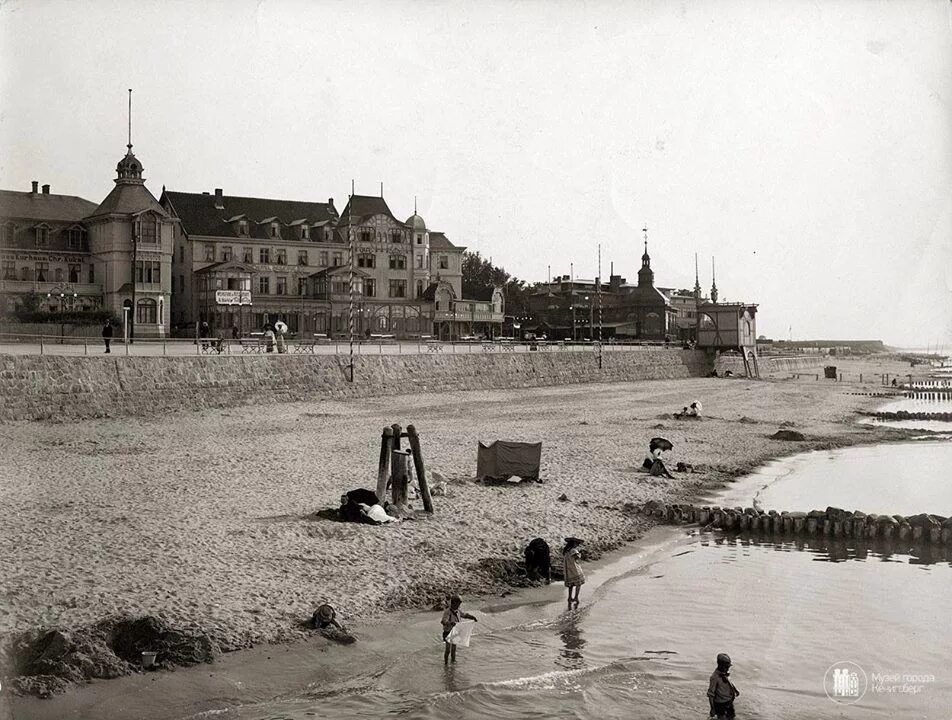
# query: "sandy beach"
x,y
206,519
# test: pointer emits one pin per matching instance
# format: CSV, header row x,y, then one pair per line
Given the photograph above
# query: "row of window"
x,y
40,272
75,236
279,256
302,232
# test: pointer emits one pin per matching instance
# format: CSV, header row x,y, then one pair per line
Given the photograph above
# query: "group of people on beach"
x,y
721,690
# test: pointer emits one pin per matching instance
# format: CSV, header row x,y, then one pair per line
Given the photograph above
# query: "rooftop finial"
x,y
381,188
129,144
713,283
414,205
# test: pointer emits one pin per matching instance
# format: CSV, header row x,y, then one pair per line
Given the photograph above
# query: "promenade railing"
x,y
31,344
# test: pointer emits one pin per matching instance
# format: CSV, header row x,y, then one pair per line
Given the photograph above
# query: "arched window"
x,y
146,311
652,323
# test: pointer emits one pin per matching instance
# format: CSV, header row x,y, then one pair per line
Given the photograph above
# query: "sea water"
x,y
644,642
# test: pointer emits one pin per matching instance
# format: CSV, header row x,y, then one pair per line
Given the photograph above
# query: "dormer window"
x,y
42,236
305,232
243,228
6,234
275,230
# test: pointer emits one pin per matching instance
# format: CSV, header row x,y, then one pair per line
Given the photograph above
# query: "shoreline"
x,y
611,527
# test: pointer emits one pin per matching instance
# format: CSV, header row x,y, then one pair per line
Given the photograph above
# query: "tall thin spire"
x,y
129,144
697,281
381,188
414,205
713,283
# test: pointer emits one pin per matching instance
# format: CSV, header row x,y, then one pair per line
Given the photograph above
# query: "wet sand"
x,y
205,519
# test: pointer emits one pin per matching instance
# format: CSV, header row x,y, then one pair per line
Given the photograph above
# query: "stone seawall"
x,y
50,387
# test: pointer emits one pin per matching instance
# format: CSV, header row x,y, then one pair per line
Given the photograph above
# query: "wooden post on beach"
x,y
383,467
397,434
420,469
398,479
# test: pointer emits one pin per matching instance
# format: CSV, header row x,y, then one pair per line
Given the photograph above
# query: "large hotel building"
x,y
237,263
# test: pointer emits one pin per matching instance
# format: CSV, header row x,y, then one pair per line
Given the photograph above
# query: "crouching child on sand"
x,y
451,618
721,692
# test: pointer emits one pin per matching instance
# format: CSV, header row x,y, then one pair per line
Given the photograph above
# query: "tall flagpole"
x,y
353,284
572,280
598,297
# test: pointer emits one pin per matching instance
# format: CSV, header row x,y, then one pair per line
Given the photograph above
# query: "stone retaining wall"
x,y
51,387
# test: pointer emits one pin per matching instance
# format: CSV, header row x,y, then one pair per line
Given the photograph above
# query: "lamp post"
x,y
67,296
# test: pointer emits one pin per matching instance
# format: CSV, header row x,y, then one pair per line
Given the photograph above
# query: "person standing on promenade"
x,y
451,618
721,692
574,577
107,334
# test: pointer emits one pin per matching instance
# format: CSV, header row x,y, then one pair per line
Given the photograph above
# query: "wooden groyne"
x,y
903,415
924,529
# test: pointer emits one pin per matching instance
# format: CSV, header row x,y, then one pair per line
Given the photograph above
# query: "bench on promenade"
x,y
434,346
253,344
207,346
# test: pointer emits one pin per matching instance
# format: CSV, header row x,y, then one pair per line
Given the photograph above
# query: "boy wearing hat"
x,y
721,692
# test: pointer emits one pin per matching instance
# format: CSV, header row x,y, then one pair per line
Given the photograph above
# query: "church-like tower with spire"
x,y
130,238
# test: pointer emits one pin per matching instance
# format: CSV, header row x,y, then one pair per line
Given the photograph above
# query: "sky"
x,y
805,146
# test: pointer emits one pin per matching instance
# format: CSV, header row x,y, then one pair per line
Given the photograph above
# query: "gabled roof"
x,y
361,207
198,214
39,206
128,198
439,241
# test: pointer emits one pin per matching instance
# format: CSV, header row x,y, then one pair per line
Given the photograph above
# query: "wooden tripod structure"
x,y
392,467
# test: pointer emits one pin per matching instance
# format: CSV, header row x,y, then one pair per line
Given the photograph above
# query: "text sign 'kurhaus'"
x,y
233,297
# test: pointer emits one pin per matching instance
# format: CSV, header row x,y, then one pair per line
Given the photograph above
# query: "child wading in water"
x,y
574,577
722,692
451,618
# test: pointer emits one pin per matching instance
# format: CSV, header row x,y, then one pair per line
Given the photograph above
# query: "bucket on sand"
x,y
148,658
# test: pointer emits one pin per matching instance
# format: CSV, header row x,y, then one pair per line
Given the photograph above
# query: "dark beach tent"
x,y
501,460
660,443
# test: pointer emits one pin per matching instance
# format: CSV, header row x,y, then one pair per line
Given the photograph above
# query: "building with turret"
x,y
65,253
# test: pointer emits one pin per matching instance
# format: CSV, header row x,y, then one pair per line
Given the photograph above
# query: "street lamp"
x,y
67,295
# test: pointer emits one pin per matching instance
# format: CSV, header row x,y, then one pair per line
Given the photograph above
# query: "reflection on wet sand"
x,y
826,549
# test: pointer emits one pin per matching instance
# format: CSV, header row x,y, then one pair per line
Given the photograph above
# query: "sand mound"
x,y
47,661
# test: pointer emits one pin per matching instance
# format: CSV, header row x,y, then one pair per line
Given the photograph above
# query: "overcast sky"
x,y
808,146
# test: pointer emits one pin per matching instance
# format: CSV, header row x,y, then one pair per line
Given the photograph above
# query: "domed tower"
x,y
646,274
130,240
420,243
